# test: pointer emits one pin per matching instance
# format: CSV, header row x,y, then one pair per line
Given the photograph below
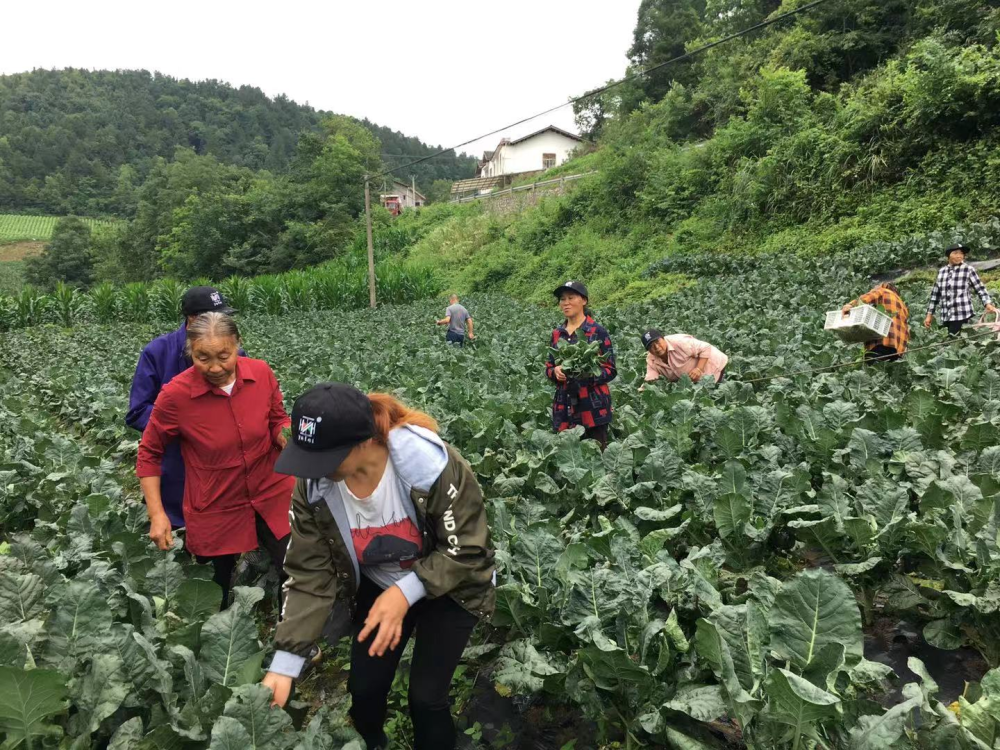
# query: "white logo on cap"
x,y
307,430
216,299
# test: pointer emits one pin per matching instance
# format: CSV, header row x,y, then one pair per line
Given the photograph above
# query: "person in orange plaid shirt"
x,y
893,346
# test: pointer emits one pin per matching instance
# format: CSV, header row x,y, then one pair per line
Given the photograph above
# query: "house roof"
x,y
475,183
407,186
488,155
554,129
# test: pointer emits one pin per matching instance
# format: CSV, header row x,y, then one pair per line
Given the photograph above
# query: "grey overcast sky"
x,y
443,70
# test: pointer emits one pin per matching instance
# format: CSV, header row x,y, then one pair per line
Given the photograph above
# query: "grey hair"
x,y
211,324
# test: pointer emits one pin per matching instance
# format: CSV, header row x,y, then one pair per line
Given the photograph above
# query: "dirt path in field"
x,y
19,250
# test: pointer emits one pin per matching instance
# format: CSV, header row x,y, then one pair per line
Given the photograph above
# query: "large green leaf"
x,y
814,609
702,703
799,704
27,700
196,600
127,736
680,741
251,707
21,596
229,734
101,691
712,647
521,668
81,626
228,642
613,669
731,512
164,578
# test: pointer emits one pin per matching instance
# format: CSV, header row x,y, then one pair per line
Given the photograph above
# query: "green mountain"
x,y
851,123
76,141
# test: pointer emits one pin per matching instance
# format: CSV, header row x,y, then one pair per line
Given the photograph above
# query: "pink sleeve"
x,y
701,348
651,373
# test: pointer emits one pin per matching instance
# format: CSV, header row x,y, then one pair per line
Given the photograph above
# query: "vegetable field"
x,y
717,578
18,227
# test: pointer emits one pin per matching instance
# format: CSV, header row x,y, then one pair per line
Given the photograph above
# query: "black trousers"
x,y
880,353
598,433
225,565
954,326
443,629
455,338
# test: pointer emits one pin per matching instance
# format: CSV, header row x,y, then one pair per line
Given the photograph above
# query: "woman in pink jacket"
x,y
674,356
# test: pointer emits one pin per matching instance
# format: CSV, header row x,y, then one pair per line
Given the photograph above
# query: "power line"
x,y
614,84
419,156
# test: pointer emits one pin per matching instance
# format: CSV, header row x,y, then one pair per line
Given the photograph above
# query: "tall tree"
x,y
662,32
66,258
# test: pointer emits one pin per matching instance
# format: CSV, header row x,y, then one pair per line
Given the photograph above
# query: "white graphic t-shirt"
x,y
386,540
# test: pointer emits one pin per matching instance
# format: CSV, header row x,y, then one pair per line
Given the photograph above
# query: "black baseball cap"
x,y
573,286
203,299
956,246
650,336
328,420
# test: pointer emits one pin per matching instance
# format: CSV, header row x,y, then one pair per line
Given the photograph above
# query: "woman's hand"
x,y
991,308
560,375
280,685
696,374
281,441
928,320
159,531
846,309
387,615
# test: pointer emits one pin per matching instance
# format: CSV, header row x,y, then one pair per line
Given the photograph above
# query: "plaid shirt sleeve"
x,y
609,369
550,363
935,293
980,288
899,332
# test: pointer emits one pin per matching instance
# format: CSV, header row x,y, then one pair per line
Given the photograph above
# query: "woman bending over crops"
x,y
227,414
389,537
672,357
893,346
582,394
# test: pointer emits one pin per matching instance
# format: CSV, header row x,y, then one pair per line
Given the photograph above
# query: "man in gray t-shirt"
x,y
456,318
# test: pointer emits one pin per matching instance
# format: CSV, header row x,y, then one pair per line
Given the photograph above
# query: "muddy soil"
x,y
892,642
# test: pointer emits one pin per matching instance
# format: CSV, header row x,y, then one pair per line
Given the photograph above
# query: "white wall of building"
x,y
406,196
527,156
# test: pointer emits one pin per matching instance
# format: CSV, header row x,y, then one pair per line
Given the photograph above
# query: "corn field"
x,y
330,287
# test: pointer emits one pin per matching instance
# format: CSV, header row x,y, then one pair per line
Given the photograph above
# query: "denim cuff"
x,y
287,664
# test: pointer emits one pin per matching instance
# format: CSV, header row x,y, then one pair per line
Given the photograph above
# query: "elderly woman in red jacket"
x,y
227,413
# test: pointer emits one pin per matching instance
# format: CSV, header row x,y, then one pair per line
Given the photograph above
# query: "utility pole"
x,y
371,246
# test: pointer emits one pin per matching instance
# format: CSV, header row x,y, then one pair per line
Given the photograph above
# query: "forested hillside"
x,y
75,141
854,122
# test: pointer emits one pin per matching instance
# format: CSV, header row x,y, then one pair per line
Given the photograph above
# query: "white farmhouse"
x,y
402,196
542,150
